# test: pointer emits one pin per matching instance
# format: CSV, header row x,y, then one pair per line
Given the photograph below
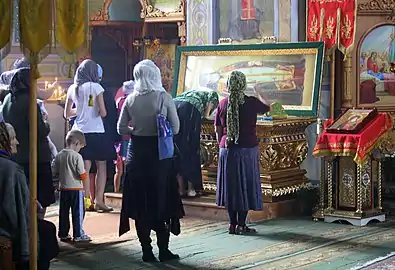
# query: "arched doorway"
x,y
111,55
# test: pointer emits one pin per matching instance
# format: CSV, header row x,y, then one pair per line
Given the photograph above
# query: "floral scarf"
x,y
237,84
5,145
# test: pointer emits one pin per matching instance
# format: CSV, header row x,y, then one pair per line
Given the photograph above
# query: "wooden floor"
x,y
292,243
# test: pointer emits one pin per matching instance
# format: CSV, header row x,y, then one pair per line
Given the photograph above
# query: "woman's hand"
x,y
102,106
209,108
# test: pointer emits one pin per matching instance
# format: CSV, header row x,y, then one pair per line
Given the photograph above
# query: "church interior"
x,y
326,152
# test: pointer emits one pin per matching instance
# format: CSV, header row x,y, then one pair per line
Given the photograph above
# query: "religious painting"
x,y
352,121
165,5
163,56
246,21
376,79
286,73
163,10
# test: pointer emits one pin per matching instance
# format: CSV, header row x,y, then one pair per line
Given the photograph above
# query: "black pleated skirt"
x,y
150,188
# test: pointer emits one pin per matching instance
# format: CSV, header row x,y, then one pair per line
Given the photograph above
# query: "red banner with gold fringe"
x,y
314,21
333,22
331,25
348,18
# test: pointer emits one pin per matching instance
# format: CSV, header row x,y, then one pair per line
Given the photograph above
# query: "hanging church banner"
x,y
70,24
348,20
5,24
35,27
332,21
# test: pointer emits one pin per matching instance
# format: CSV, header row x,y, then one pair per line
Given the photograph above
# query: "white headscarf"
x,y
128,87
147,78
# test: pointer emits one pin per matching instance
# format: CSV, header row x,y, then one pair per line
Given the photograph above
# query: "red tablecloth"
x,y
357,145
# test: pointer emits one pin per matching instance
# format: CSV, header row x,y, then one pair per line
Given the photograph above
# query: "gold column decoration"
x,y
379,183
319,214
333,87
329,164
5,27
347,96
359,193
182,33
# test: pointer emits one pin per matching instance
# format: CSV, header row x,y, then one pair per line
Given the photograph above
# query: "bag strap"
x,y
161,101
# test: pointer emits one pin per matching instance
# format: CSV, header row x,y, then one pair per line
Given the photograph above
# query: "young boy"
x,y
69,166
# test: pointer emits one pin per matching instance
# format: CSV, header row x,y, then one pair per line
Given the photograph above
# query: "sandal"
x,y
103,208
232,229
245,230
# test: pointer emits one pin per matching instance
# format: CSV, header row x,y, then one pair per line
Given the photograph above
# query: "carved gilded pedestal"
x,y
282,148
356,191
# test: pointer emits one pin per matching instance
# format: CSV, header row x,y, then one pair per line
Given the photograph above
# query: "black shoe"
x,y
148,256
167,255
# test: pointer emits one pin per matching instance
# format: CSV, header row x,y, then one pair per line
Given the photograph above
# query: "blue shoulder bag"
x,y
165,132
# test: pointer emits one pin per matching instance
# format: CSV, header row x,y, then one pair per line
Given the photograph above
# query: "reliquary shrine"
x,y
289,75
352,149
366,79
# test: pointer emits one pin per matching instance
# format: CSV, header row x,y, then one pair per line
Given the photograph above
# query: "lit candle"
x,y
46,85
59,91
56,79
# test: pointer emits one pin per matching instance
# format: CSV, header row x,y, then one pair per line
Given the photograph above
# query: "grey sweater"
x,y
139,112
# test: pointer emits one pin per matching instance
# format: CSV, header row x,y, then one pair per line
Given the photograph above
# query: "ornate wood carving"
x,y
152,14
378,7
182,32
102,14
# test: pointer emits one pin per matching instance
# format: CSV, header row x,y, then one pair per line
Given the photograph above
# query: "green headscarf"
x,y
237,84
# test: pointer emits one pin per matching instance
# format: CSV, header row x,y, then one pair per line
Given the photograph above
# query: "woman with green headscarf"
x,y
238,183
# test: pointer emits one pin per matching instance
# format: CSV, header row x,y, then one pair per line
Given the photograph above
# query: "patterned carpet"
x,y
280,244
382,263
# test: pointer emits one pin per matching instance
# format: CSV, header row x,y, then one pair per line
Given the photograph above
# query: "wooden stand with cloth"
x,y
354,172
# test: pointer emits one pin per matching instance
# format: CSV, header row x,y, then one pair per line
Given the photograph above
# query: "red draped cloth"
x,y
358,145
389,83
248,11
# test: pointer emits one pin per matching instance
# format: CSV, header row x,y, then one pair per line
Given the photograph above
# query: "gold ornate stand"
x,y
356,194
283,147
319,213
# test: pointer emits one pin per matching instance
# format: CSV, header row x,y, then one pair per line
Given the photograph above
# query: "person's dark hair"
x,y
5,142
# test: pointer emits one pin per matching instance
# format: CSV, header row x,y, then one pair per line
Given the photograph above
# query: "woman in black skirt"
x,y
87,95
192,107
16,113
150,193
